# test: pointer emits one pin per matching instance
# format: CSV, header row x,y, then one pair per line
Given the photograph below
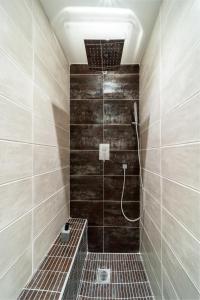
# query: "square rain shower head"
x,y
104,55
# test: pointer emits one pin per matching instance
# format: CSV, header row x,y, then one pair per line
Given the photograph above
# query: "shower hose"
x,y
140,175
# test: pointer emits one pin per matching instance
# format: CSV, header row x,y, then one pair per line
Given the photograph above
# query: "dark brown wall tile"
x,y
120,137
113,215
121,239
121,87
113,188
95,239
86,137
126,69
86,112
123,69
117,158
86,188
118,112
86,87
82,69
85,163
90,210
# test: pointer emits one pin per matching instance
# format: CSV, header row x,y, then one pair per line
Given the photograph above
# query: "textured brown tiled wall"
x,y
101,112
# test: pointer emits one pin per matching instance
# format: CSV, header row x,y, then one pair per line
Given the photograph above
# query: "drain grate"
x,y
103,276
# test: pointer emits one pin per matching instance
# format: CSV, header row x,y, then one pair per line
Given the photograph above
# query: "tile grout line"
x,y
109,153
32,123
160,136
103,162
100,73
34,144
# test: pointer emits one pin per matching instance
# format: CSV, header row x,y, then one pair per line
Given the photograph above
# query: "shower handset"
x,y
135,113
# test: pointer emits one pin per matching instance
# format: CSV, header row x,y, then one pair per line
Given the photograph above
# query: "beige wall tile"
x,y
46,133
20,14
47,108
45,27
178,22
151,275
15,161
153,233
16,278
43,242
182,84
14,240
153,258
178,277
14,43
16,200
50,61
15,122
150,137
183,245
169,291
182,164
153,208
151,59
152,184
48,159
14,84
184,204
47,184
45,212
47,83
182,124
150,102
151,160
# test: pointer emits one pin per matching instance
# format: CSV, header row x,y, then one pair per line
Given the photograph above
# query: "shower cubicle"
x,y
99,150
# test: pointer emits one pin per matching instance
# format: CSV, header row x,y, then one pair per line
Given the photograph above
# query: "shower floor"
x,y
127,279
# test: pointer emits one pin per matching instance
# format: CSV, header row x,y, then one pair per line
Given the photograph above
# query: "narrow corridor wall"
x,y
170,136
34,141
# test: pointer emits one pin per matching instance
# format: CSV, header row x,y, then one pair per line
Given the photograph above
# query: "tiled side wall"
x,y
101,106
34,141
170,136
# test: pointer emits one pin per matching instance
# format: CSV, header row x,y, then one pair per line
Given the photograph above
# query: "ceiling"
x,y
77,20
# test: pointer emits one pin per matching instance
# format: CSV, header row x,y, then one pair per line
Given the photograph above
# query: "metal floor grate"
x,y
128,280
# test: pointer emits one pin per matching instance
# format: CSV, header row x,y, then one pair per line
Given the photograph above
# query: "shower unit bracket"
x,y
104,152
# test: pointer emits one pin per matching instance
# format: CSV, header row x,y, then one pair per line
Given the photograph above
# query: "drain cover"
x,y
103,276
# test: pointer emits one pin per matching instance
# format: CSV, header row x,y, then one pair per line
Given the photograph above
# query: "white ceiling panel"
x,y
77,20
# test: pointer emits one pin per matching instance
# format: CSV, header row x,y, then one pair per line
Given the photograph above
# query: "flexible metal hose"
x,y
140,175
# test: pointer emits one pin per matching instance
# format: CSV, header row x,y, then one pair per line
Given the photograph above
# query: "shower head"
x,y
104,55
